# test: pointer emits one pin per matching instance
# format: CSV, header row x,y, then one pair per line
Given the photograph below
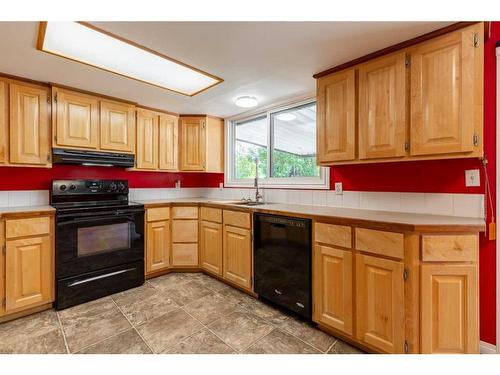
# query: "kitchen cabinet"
x,y
201,144
28,125
117,126
3,122
382,107
147,140
168,142
421,102
380,318
157,239
211,247
446,93
185,236
336,117
76,120
157,141
333,279
27,263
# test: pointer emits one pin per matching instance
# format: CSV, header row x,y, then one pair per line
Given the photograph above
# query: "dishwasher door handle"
x,y
278,292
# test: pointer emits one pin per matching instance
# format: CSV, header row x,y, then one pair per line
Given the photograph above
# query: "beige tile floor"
x,y
175,313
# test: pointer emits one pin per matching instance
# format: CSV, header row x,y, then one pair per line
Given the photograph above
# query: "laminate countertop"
x,y
15,211
387,220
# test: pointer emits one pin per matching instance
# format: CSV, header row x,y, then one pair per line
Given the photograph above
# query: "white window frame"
x,y
321,182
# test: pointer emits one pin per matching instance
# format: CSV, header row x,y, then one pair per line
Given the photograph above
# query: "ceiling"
x,y
270,60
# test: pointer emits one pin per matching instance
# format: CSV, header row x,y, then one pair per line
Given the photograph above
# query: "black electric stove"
x,y
99,240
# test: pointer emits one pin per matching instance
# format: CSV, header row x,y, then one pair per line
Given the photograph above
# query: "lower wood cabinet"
x,y
238,256
380,303
211,247
449,308
333,278
185,236
27,266
157,246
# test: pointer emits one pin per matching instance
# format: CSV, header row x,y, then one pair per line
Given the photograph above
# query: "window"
x,y
280,143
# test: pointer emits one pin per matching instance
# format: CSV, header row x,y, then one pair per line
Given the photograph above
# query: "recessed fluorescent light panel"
x,y
82,42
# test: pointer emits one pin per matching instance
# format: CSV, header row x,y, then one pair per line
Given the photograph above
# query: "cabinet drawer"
x,y
185,231
380,242
211,214
338,235
160,213
461,248
185,254
27,227
237,219
190,212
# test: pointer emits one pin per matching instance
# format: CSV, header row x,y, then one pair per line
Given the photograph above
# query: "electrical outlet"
x,y
178,184
472,178
338,188
221,185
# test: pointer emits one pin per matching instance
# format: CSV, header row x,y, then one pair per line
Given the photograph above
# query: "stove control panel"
x,y
79,187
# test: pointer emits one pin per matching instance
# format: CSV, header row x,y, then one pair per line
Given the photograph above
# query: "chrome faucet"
x,y
258,196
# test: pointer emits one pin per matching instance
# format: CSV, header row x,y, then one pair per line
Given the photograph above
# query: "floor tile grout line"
x,y
210,330
331,346
61,327
256,341
102,340
133,326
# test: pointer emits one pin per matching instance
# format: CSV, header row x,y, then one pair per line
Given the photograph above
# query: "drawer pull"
x,y
299,304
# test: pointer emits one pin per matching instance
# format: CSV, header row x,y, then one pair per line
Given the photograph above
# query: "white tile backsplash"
x,y
465,205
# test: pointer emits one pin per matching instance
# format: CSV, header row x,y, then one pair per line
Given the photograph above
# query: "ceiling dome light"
x,y
286,116
246,101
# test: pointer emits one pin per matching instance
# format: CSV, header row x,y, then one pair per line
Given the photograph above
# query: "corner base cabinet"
x,y
397,292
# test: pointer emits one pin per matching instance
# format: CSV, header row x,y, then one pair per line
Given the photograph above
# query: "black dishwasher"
x,y
282,262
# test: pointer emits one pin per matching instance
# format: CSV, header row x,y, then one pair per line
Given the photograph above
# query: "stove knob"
x,y
72,187
121,186
62,187
112,186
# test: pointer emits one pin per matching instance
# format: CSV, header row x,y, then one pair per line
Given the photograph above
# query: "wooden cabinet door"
x,y
380,303
382,107
157,246
193,143
336,117
168,143
147,140
117,126
211,247
3,122
237,253
333,288
449,305
28,273
76,120
29,132
445,75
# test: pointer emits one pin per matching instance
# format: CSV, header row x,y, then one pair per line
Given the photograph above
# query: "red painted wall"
x,y
12,178
445,176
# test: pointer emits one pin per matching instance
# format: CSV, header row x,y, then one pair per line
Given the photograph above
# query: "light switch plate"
x,y
338,188
472,178
178,184
221,185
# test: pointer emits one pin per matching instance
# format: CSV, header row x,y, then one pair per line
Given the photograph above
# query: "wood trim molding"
x,y
395,47
157,110
91,93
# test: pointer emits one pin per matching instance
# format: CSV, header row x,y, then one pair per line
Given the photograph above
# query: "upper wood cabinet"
x,y
3,122
76,120
421,102
117,126
169,150
382,107
201,144
336,117
446,93
147,140
380,303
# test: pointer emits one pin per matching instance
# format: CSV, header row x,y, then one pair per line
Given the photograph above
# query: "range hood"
x,y
92,158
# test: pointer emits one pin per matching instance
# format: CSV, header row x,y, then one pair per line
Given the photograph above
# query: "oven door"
x,y
90,241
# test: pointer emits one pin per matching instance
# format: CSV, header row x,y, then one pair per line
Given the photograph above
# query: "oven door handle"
x,y
92,219
90,279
